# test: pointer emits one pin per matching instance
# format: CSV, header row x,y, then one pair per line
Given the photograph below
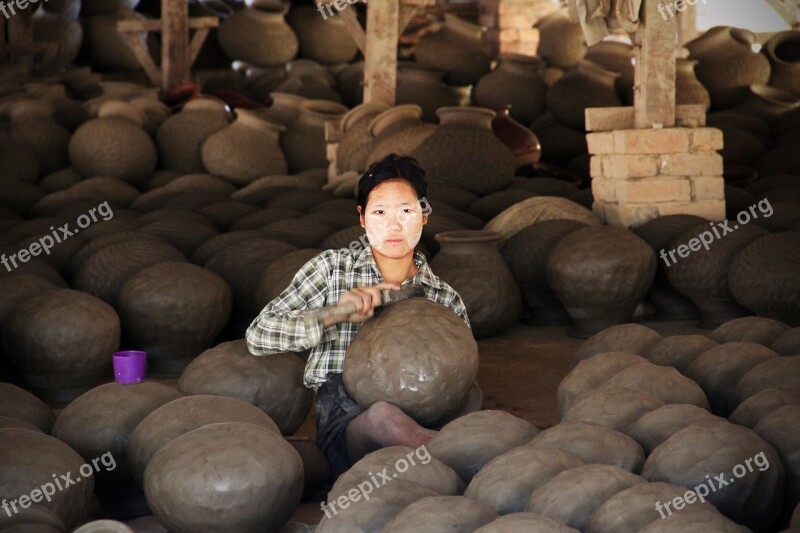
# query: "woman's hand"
x,y
366,300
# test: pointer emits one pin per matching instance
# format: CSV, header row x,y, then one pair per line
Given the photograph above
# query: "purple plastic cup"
x,y
130,366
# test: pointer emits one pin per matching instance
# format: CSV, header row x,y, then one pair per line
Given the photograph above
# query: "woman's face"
x,y
393,219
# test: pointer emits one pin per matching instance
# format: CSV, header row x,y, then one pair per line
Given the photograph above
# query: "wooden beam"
x,y
380,65
175,61
155,25
788,10
353,26
687,24
654,88
196,44
143,55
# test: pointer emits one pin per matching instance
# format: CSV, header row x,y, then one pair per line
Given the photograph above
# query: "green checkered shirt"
x,y
282,326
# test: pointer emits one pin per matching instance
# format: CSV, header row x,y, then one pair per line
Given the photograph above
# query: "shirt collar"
x,y
425,275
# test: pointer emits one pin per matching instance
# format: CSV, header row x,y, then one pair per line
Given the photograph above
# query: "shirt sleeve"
x,y
285,325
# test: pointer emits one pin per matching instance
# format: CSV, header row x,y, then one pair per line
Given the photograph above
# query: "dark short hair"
x,y
392,167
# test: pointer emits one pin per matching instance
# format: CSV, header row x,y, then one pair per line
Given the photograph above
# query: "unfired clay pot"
x,y
464,153
688,89
517,81
258,34
561,41
617,57
398,130
285,108
442,513
470,262
32,125
19,403
357,143
783,52
536,209
327,41
588,85
522,142
180,138
600,274
231,476
455,49
303,143
273,383
424,88
381,366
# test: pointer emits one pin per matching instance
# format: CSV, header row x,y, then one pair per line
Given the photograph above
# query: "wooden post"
x,y
380,65
687,24
654,89
175,60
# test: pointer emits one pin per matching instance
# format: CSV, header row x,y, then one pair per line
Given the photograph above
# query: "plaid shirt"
x,y
282,326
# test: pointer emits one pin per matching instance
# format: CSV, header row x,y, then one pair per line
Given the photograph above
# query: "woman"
x,y
392,209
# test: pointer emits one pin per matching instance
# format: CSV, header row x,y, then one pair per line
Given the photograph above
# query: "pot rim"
x,y
775,95
778,39
323,109
380,123
361,110
468,236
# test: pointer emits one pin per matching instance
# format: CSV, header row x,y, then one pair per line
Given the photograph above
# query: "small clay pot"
x,y
259,34
522,142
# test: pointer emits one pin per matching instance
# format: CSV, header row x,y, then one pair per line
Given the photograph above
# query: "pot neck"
x,y
394,119
473,117
249,119
322,110
468,242
361,111
457,28
521,65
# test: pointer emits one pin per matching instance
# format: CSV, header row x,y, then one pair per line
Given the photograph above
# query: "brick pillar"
x,y
641,174
510,25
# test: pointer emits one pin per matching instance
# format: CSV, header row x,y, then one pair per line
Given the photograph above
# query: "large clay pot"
x,y
32,125
273,383
424,88
66,31
763,277
442,513
464,153
728,65
357,143
526,254
688,89
398,130
617,57
560,142
21,404
783,52
30,459
350,81
258,34
62,341
98,425
456,49
470,262
382,363
174,311
768,103
520,140
561,41
230,476
536,209
303,143
180,138
588,85
107,47
327,41
285,108
600,274
245,150
702,276
517,81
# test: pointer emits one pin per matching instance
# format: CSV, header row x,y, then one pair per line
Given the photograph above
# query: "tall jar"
x,y
464,153
471,263
517,81
304,140
398,130
455,49
259,34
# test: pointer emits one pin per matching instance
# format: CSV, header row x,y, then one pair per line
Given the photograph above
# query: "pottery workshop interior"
x,y
349,266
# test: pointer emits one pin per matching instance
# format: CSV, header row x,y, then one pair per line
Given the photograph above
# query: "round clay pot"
x,y
98,425
560,142
108,48
600,274
518,81
593,444
763,277
304,140
455,49
588,85
463,152
278,275
231,476
258,34
357,143
532,522
19,403
31,459
469,442
520,140
310,86
715,450
507,481
350,81
783,52
617,409
62,342
633,338
561,41
763,331
788,343
703,276
740,146
688,88
424,88
285,108
537,209
441,513
768,103
526,254
33,126
309,235
661,382
777,428
757,406
437,389
398,130
655,427
779,373
470,262
183,415
245,150
273,383
183,229
572,496
679,351
326,40
616,56
174,311
779,160
180,138
64,30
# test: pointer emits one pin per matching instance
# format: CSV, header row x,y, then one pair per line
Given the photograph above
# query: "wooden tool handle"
x,y
345,309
